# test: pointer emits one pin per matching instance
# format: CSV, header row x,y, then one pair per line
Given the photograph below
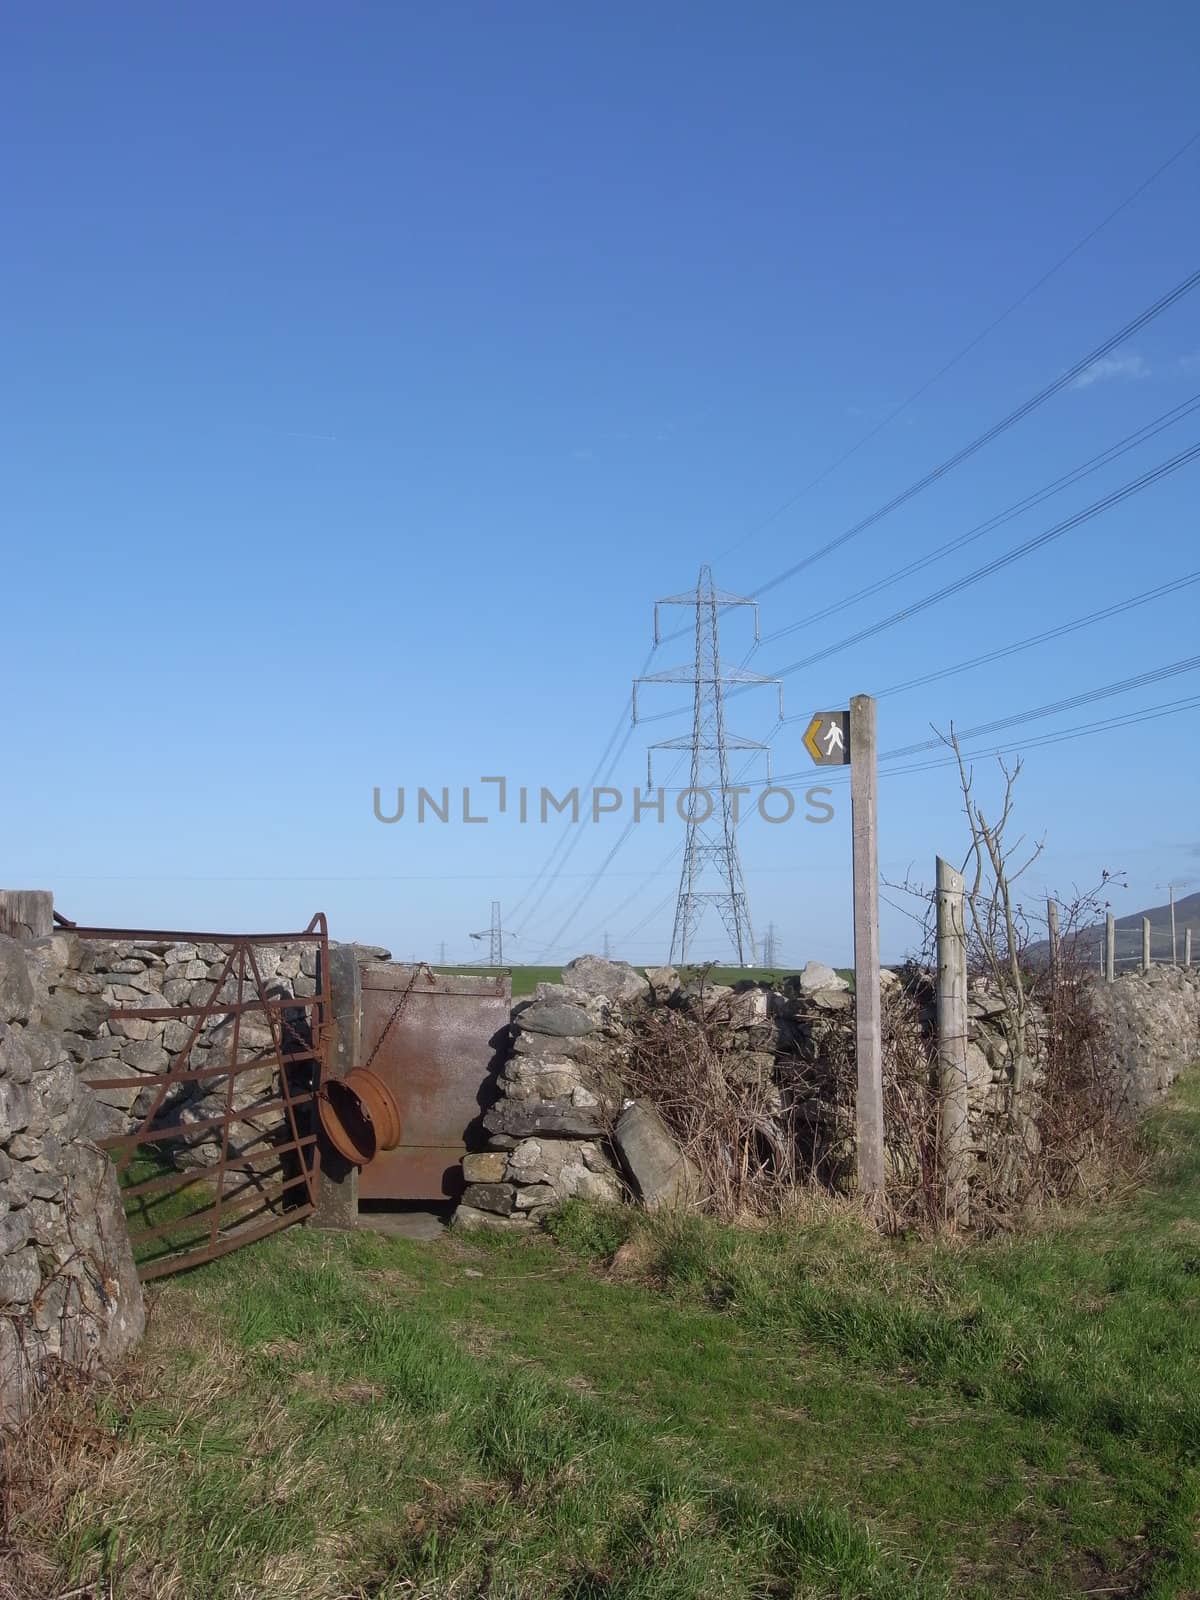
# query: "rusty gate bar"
x,y
300,1027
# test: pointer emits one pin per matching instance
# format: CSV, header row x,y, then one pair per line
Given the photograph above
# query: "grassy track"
x,y
801,1411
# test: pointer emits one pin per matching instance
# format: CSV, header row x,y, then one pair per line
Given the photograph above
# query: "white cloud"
x,y
1130,366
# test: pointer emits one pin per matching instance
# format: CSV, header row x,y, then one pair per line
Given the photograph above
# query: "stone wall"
x,y
560,1091
68,1289
86,978
1152,1022
555,1132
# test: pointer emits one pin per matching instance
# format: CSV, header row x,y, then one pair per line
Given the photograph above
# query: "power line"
x,y
649,917
903,910
567,835
677,850
1190,664
569,838
595,877
709,745
966,349
664,866
1150,713
1149,431
1166,708
1082,730
554,941
1038,638
1026,547
1063,381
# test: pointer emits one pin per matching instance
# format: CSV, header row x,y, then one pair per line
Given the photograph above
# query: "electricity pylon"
x,y
495,937
712,868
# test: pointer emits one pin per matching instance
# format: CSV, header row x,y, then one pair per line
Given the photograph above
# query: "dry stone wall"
x,y
87,978
69,1292
1152,1022
555,1131
559,1092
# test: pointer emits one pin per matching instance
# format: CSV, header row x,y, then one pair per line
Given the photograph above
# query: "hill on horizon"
x,y
1087,941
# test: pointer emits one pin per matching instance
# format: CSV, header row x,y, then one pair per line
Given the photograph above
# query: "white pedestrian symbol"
x,y
833,738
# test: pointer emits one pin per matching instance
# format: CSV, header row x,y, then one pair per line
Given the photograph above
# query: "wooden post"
x,y
1052,924
868,1013
1145,944
26,913
1110,947
952,1038
1187,947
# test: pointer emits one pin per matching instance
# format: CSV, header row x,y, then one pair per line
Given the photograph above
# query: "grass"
x,y
525,979
801,1410
159,1209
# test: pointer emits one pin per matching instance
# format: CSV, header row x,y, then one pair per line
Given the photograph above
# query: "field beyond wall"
x,y
526,979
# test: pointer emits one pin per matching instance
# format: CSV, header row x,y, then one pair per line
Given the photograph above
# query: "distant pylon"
x,y
607,948
495,937
770,949
710,852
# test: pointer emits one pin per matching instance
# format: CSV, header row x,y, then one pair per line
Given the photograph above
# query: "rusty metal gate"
x,y
434,1039
223,1150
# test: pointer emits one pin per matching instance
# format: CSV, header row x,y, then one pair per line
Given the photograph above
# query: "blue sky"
x,y
370,369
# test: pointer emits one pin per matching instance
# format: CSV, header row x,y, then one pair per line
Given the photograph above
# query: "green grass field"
x,y
802,1410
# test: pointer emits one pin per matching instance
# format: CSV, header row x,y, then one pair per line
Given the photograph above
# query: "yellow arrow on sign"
x,y
810,738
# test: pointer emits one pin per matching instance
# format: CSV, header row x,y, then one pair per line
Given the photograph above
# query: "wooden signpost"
x,y
839,739
952,1025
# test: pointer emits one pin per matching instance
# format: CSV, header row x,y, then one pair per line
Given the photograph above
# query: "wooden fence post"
x,y
1110,947
1145,944
26,913
1052,924
952,1039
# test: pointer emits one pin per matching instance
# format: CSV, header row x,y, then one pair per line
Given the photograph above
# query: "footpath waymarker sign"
x,y
827,738
838,739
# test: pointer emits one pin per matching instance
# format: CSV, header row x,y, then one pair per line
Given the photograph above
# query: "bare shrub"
x,y
1050,1125
729,1117
1055,1125
758,1138
1088,1142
